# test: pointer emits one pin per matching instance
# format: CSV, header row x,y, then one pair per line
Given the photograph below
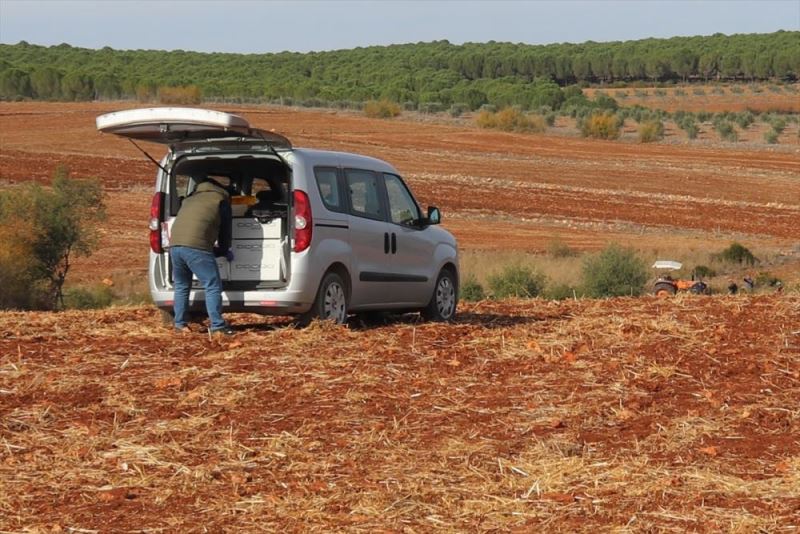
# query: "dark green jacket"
x,y
204,217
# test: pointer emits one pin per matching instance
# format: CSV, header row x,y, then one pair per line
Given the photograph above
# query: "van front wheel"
x,y
331,301
442,306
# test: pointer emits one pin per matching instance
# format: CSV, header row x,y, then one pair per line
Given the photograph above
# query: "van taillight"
x,y
302,221
155,223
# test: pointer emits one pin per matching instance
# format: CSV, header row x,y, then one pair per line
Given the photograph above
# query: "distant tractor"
x,y
665,285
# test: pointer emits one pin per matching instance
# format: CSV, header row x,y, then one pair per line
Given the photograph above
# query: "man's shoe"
x,y
221,332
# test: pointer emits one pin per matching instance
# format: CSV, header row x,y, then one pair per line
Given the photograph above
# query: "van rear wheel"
x,y
442,306
331,302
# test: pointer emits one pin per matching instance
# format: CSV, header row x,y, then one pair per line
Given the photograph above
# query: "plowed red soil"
x,y
639,414
526,416
583,192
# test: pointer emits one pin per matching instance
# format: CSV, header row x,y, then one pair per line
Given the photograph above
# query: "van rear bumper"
x,y
272,302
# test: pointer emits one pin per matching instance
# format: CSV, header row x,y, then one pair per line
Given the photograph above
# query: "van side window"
x,y
403,208
362,188
328,185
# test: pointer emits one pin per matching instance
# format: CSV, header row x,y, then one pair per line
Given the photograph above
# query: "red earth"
x,y
515,191
531,415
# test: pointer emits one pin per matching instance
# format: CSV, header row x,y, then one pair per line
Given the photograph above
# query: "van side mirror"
x,y
434,215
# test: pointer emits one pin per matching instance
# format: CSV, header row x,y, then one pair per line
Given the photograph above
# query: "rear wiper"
x,y
148,156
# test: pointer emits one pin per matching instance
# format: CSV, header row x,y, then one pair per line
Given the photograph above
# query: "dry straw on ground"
x,y
626,414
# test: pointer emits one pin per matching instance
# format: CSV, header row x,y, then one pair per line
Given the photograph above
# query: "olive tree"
x,y
61,222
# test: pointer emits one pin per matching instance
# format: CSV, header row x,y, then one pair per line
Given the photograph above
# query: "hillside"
x,y
439,72
575,416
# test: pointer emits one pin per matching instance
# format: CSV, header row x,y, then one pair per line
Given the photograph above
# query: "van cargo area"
x,y
259,188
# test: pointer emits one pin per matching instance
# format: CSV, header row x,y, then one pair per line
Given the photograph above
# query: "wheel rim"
x,y
445,297
663,293
334,306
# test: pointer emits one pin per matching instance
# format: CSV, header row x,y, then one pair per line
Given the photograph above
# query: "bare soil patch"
x,y
664,414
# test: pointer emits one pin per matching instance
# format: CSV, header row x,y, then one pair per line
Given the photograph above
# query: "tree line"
x,y
473,74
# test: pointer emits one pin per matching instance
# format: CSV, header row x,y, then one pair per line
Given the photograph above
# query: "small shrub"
x,y
88,298
652,130
699,91
703,271
766,279
660,92
560,292
640,93
61,222
471,290
717,90
616,271
603,101
703,116
550,119
516,281
621,94
737,90
313,103
430,107
736,253
456,110
559,249
680,92
511,119
756,89
692,130
744,119
771,137
778,124
601,126
408,105
775,88
726,131
381,109
20,289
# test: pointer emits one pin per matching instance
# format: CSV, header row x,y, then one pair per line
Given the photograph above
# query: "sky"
x,y
259,26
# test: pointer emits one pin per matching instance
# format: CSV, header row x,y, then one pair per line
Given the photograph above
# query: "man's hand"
x,y
218,253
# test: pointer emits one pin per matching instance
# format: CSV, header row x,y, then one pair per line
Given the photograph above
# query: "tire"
x,y
330,303
443,303
664,289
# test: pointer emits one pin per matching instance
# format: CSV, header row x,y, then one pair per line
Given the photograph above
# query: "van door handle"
x,y
394,243
386,242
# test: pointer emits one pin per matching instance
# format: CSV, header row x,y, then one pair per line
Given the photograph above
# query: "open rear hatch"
x,y
169,126
260,237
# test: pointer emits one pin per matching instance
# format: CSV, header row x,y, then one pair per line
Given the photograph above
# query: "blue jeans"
x,y
186,261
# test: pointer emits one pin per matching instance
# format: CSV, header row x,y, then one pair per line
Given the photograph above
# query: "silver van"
x,y
317,234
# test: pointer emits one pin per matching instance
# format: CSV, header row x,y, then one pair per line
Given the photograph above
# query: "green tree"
x,y
46,83
616,271
517,281
14,83
77,86
63,223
